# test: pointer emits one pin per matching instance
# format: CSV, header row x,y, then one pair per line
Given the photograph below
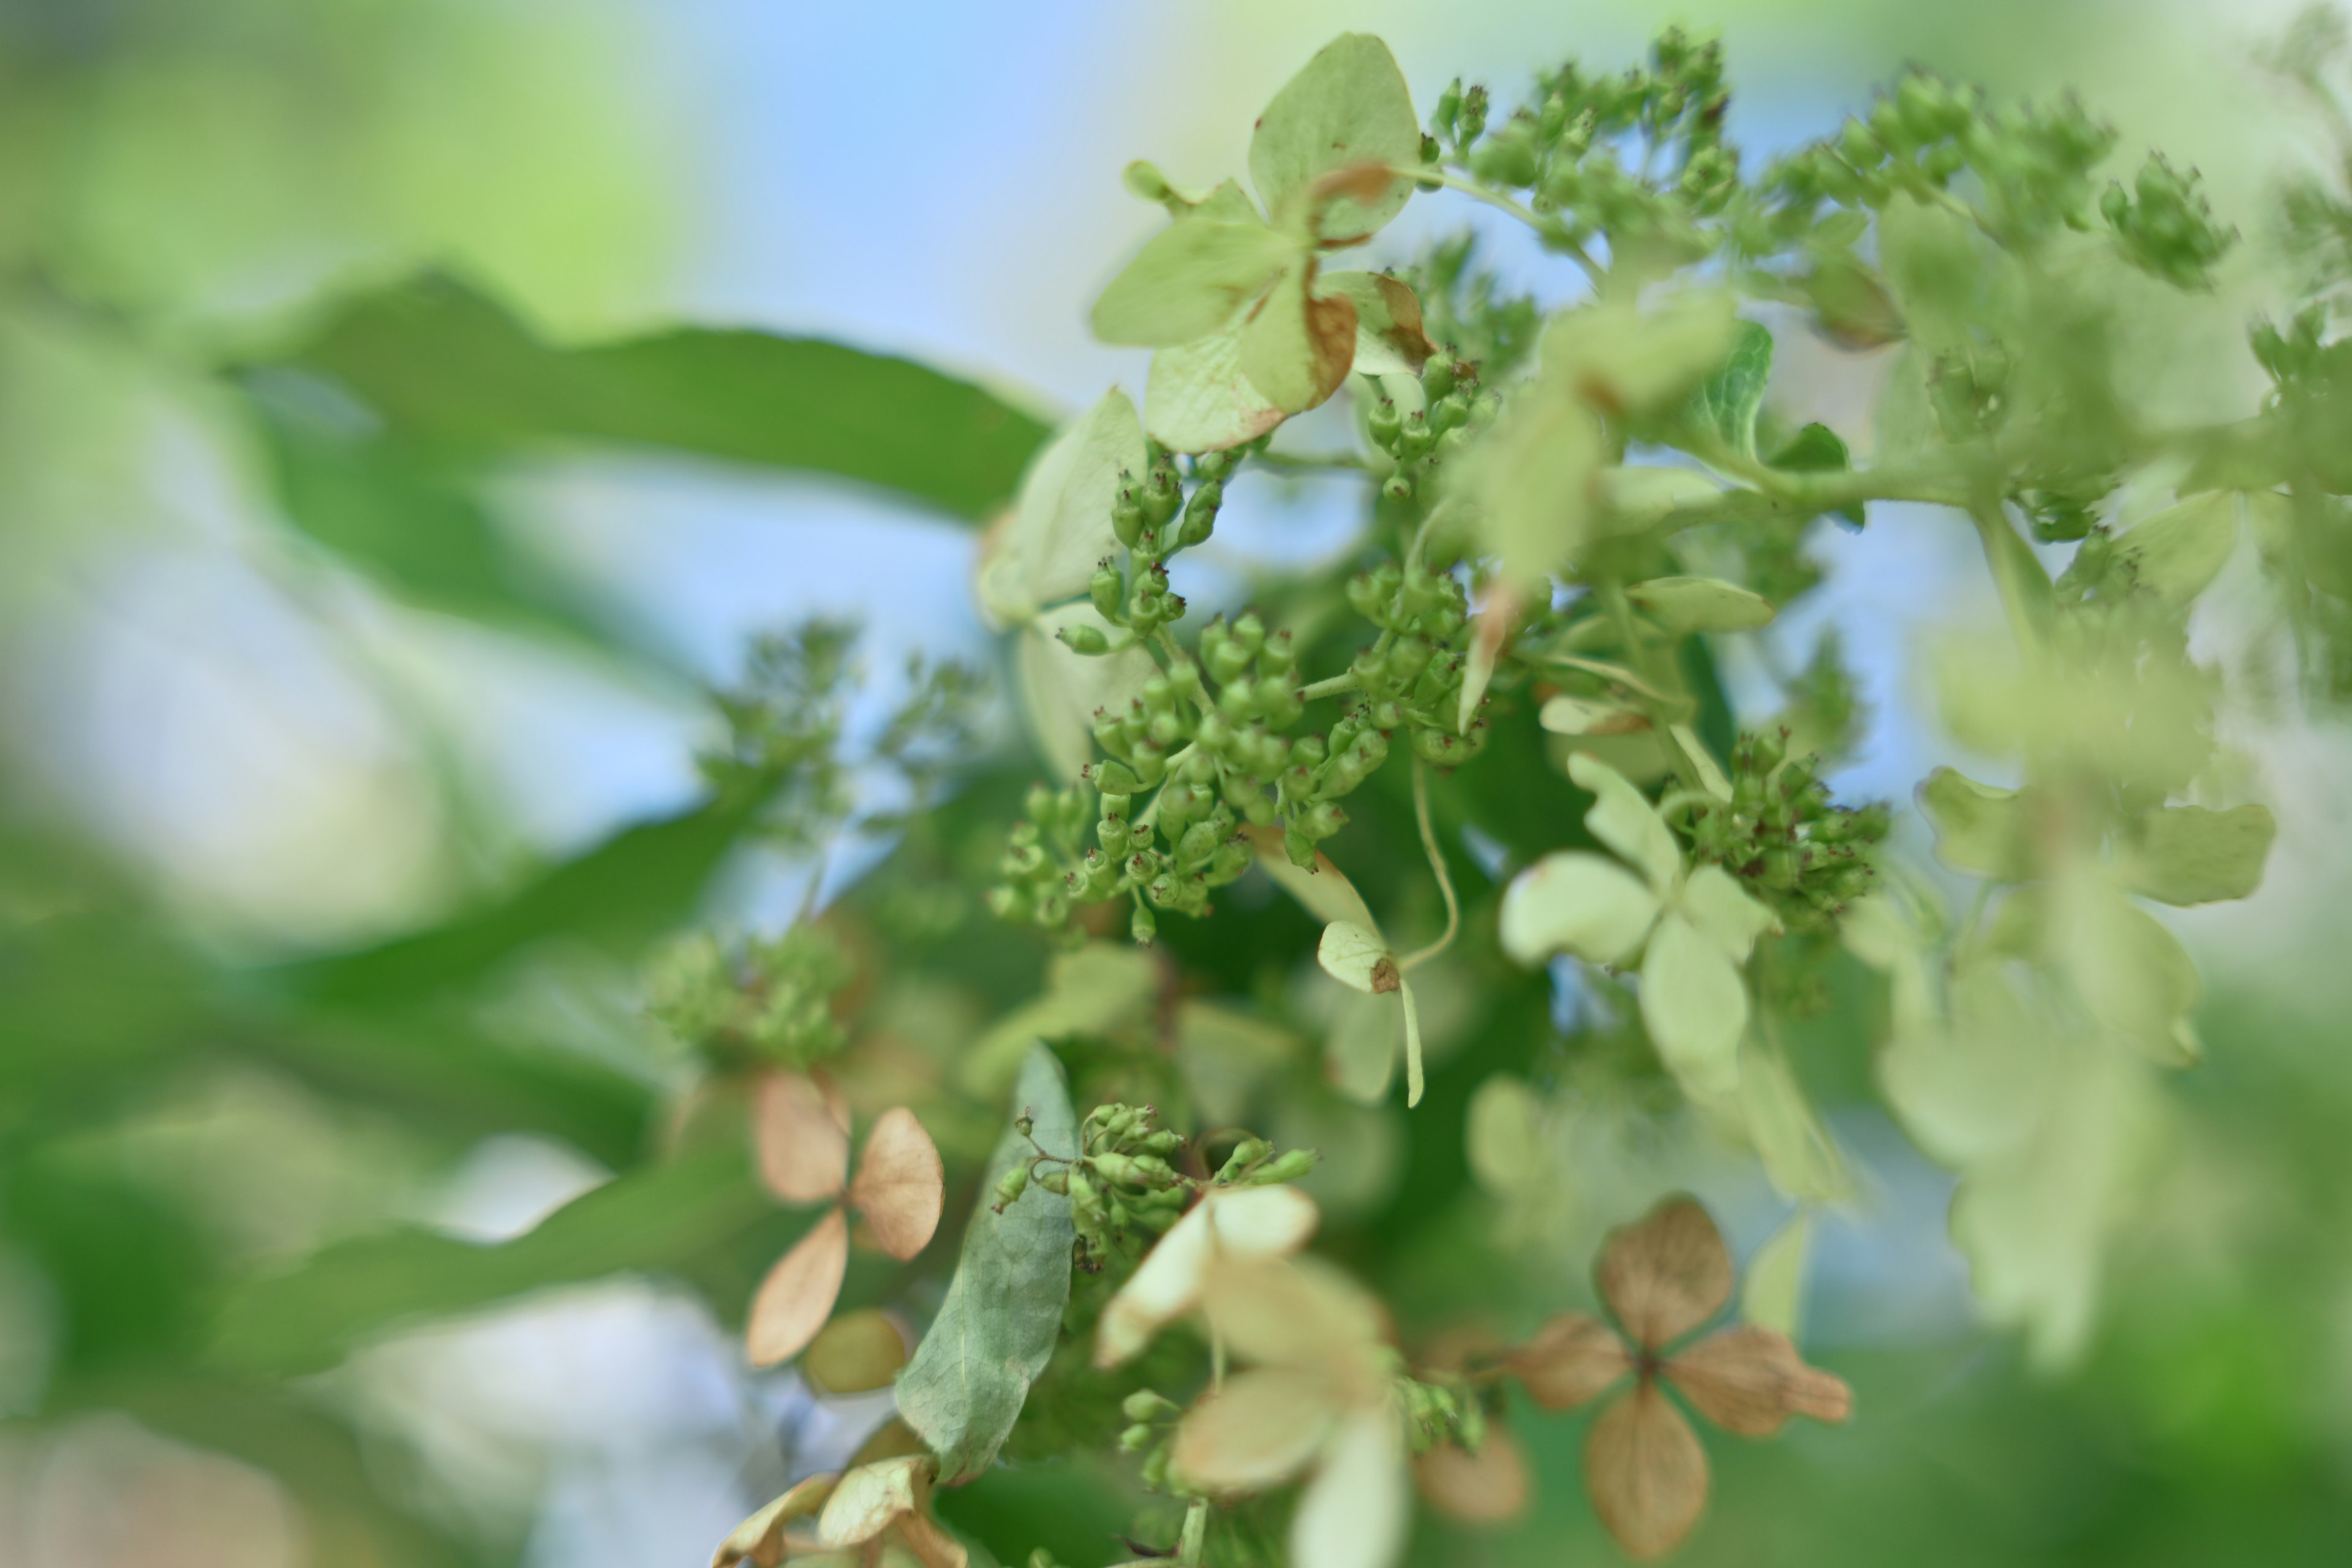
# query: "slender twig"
x,y
1551,228
1437,864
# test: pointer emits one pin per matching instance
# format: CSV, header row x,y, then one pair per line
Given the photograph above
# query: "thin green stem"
x,y
1329,687
1309,462
1437,864
1621,610
1553,231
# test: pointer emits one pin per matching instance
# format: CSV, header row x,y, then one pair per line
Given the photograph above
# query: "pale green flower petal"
x,y
1296,347
1198,400
1189,281
1695,1006
1713,902
1576,902
1349,107
1061,525
1683,605
1355,957
1624,820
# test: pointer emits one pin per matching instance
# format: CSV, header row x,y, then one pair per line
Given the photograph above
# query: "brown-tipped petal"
x,y
1748,1380
798,1294
1667,1274
932,1546
1490,1487
872,1498
759,1540
1646,1472
900,1185
1256,1432
1572,1359
802,1134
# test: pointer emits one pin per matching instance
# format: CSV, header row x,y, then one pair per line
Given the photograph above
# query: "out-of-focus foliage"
x,y
1284,1014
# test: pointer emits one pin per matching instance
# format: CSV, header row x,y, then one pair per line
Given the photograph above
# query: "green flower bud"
x,y
1083,639
1246,1152
1106,589
1200,514
1012,1185
1111,777
1144,927
1136,1438
1144,1405
1126,514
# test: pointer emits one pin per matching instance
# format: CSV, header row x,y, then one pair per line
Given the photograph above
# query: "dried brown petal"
x,y
759,1540
872,1498
1256,1432
1404,329
1488,1486
894,1439
900,1185
930,1545
798,1294
1646,1471
1666,1274
1572,1359
802,1134
1749,1380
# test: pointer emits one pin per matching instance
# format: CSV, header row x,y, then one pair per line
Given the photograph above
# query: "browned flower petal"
x,y
1646,1472
932,1546
899,1183
1255,1432
1484,1487
1572,1359
1749,1380
803,1135
798,1294
759,1540
1666,1274
1404,330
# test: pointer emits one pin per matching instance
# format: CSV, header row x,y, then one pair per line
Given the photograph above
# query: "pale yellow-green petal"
x,y
1296,346
1198,400
1190,281
1623,819
1683,605
1713,900
1349,107
1695,1004
1061,524
1576,902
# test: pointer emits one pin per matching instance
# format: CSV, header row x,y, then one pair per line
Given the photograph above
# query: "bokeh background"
x,y
208,719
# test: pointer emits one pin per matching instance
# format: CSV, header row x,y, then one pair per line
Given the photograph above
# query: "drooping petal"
x,y
803,1136
1580,903
1624,820
1045,552
1355,1511
1256,1432
1694,1006
1748,1380
1357,958
798,1294
900,1185
1646,1472
1324,890
1573,1359
1665,1274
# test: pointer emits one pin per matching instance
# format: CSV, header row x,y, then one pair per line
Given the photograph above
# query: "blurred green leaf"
x,y
632,888
657,1218
969,1378
436,361
1727,402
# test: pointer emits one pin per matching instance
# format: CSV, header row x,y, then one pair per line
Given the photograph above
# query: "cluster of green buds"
x,y
1122,1189
1780,836
2033,163
1412,440
1439,1413
1410,675
1150,1431
2165,227
760,1003
1565,147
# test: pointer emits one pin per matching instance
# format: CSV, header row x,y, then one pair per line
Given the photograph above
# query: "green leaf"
x,y
1694,1006
637,885
1725,404
661,1217
1002,1315
2188,854
436,362
1978,828
1639,498
1818,449
2178,552
1576,902
1189,281
408,525
1348,107
1682,605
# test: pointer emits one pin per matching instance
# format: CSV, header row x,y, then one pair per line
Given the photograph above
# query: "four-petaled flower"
x,y
1693,928
1662,1279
